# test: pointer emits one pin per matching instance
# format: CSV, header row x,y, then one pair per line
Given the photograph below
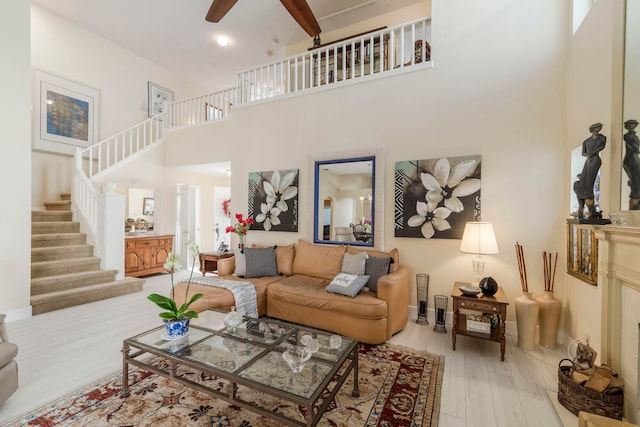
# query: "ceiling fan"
x,y
299,10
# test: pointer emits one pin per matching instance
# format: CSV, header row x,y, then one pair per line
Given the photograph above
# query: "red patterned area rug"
x,y
398,387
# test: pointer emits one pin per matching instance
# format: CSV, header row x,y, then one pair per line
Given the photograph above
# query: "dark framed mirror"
x,y
345,201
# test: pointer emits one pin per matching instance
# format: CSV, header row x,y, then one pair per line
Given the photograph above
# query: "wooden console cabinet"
x,y
146,255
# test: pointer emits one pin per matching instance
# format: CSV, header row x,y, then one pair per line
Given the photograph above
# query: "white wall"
x,y
499,96
15,166
67,50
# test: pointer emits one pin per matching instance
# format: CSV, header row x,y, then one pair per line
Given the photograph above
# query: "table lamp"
x,y
478,238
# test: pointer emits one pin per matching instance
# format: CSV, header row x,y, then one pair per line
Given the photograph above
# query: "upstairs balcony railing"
x,y
373,54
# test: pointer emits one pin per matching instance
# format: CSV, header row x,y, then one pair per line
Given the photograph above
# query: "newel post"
x,y
111,229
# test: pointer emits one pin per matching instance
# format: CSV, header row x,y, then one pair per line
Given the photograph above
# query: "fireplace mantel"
x,y
619,276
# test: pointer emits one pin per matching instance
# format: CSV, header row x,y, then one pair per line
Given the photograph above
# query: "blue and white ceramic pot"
x,y
176,328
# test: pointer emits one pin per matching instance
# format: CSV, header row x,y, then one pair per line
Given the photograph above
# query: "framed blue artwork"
x,y
66,114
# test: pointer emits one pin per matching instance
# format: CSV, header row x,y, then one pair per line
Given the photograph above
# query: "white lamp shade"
x,y
478,238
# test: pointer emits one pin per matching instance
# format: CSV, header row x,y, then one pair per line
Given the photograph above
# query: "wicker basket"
x,y
576,397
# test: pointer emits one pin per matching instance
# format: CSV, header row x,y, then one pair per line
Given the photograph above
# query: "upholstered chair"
x,y
8,366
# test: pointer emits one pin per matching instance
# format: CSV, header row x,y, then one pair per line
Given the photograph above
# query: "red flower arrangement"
x,y
226,208
241,227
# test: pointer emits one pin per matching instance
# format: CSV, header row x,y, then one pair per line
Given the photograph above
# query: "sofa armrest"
x,y
226,266
394,289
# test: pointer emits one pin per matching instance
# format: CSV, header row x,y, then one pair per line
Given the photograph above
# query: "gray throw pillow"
x,y
375,268
240,262
261,262
347,284
354,264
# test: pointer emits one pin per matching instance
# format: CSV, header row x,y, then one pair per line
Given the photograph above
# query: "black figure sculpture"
x,y
591,148
576,189
631,163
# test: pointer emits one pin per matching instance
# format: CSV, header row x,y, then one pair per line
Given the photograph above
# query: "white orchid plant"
x,y
172,264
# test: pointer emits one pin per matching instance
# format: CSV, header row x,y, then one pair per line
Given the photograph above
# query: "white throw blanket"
x,y
244,293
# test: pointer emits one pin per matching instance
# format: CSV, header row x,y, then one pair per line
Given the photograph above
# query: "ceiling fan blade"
x,y
218,9
302,13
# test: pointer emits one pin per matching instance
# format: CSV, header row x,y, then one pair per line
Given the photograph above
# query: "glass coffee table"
x,y
250,356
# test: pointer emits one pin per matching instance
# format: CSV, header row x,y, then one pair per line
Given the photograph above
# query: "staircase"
x,y
64,271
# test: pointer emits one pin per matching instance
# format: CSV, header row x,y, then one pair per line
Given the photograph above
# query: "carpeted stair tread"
x,y
64,266
54,227
57,239
71,297
52,253
58,205
42,285
45,216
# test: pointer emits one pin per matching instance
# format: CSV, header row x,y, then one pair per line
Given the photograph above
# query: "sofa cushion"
x,y
284,259
393,254
306,291
241,263
260,262
317,260
375,268
347,284
354,263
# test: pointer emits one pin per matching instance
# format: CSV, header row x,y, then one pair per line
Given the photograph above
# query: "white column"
x,y
111,230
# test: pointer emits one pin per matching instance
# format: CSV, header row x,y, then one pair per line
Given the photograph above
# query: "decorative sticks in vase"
x,y
526,308
522,268
549,272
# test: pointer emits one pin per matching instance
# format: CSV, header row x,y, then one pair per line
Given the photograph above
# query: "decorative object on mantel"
x,y
478,238
422,288
240,228
527,309
631,163
176,319
273,200
550,307
584,187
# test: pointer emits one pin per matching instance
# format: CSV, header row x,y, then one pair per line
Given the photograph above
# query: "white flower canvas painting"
x,y
435,198
273,200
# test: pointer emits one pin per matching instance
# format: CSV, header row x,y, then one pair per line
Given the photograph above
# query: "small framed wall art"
x,y
66,114
157,97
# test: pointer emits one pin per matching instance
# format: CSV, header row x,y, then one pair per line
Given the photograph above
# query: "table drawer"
x,y
485,307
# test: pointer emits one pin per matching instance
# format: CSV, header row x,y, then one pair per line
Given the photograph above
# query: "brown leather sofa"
x,y
8,366
299,293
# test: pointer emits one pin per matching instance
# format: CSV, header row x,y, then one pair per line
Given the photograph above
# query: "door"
x,y
188,227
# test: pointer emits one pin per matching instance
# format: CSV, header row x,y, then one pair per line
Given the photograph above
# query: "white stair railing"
x,y
371,55
95,161
200,109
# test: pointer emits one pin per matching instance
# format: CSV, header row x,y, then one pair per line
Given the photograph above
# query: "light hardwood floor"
x,y
63,350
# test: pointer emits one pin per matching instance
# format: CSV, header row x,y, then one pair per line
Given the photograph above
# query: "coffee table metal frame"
x,y
173,353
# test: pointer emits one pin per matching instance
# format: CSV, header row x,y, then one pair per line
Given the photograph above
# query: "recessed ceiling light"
x,y
223,41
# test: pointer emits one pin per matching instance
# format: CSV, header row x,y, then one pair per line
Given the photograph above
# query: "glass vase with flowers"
x,y
240,228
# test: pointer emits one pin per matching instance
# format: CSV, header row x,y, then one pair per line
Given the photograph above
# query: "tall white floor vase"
x,y
527,319
550,308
